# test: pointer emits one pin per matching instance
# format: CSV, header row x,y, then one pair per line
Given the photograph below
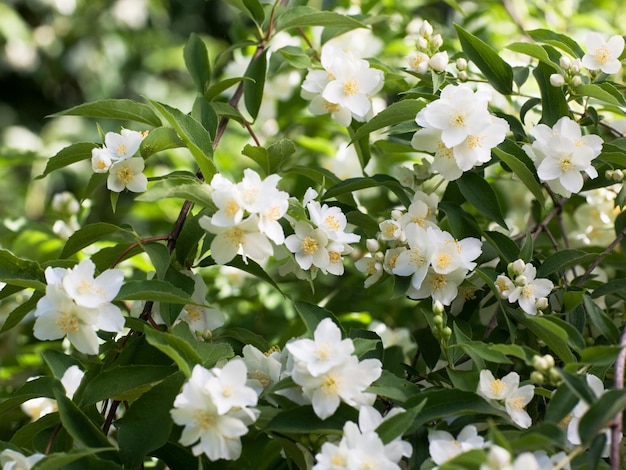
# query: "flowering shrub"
x,y
445,291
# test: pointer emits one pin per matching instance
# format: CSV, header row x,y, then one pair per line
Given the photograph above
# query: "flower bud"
x,y
461,64
554,375
537,377
576,66
426,29
576,81
521,281
540,363
557,80
446,332
396,214
438,308
549,360
421,43
438,322
516,268
462,76
541,303
608,174
379,257
372,245
565,62
618,175
436,42
439,61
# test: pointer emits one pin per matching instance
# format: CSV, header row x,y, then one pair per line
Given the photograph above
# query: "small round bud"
x,y
516,268
372,245
438,322
608,174
537,377
461,64
618,175
421,43
438,308
549,360
446,332
439,61
541,303
557,80
565,62
426,30
379,257
396,214
576,66
462,76
554,375
576,81
540,363
521,281
65,203
436,42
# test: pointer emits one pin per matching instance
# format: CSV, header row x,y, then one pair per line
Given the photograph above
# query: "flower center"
x,y
204,420
517,403
371,267
101,164
565,164
261,376
416,256
528,290
120,149
309,245
335,256
194,312
602,55
338,460
438,281
231,208
68,323
457,120
330,107
474,141
443,260
351,87
330,386
273,213
332,223
235,235
443,151
125,175
497,387
250,195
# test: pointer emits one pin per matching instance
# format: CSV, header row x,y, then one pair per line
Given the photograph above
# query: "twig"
x,y
598,260
616,424
136,244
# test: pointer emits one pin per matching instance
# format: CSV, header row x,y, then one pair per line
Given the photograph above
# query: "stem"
x,y
110,417
568,459
599,259
616,424
136,244
53,436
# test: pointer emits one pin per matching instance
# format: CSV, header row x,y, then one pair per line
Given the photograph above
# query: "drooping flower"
x,y
528,290
603,55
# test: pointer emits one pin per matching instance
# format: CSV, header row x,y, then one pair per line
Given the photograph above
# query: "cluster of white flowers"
x,y
417,247
328,372
459,130
524,288
427,54
76,305
247,217
344,87
561,154
507,392
361,447
41,406
321,242
498,458
116,158
13,460
443,446
214,407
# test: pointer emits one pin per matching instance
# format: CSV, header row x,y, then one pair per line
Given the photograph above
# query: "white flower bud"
x,y
461,64
437,41
372,245
536,377
65,203
516,268
421,43
618,175
541,303
576,66
608,174
439,61
462,76
549,360
576,81
521,281
379,257
565,62
557,80
438,308
396,214
540,363
418,61
426,29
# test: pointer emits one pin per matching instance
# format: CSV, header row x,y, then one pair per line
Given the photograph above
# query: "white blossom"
x,y
13,460
603,55
127,174
443,446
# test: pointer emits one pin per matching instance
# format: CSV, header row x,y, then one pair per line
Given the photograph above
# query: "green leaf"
x,y
574,338
560,41
303,420
393,387
204,112
154,290
160,256
150,412
196,137
536,51
553,102
59,460
252,267
320,176
600,414
397,425
186,188
611,287
302,16
91,233
251,8
481,195
395,113
177,349
521,170
312,314
553,335
253,90
278,153
59,362
72,154
564,259
78,425
197,62
124,383
506,248
561,405
39,387
600,355
496,70
114,109
210,353
354,184
219,87
259,155
159,139
603,92
20,272
296,58
601,320
579,386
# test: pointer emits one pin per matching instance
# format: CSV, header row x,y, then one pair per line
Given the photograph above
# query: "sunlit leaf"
x,y
114,109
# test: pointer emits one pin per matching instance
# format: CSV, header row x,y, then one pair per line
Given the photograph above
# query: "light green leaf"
x,y
393,387
564,259
72,154
601,320
219,87
302,16
154,290
560,41
481,195
114,109
197,62
553,335
354,184
496,70
161,138
196,137
20,272
91,233
59,460
534,50
177,349
603,92
395,113
278,153
186,188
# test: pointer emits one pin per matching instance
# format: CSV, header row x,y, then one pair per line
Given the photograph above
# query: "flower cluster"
x,y
459,130
498,458
443,446
561,154
436,262
329,372
427,54
76,305
321,242
214,408
361,447
524,288
116,158
344,87
247,217
507,392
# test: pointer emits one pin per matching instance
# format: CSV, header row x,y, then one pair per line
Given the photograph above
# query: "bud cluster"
x,y
544,372
521,286
427,55
570,76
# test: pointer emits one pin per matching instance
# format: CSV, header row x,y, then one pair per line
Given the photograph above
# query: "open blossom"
x,y
200,318
310,245
507,392
128,174
603,55
41,406
13,460
263,368
213,407
528,290
123,145
443,446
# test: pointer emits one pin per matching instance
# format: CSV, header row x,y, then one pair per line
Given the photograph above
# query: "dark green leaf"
x,y
564,259
600,355
72,154
312,314
59,362
611,287
161,138
296,58
560,41
20,272
561,405
59,460
579,386
397,425
507,248
160,257
553,102
393,387
395,113
253,90
600,414
259,155
496,70
536,51
481,195
603,92
197,62
252,267
204,112
177,349
553,335
601,320
189,189
91,233
303,420
302,16
278,153
39,387
354,184
154,290
219,87
114,109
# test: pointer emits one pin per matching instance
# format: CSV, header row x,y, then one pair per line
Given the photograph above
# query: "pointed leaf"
x,y
59,460
553,102
354,184
600,414
197,62
312,314
522,171
302,16
560,41
154,290
72,154
161,138
115,109
482,196
395,113
253,90
92,233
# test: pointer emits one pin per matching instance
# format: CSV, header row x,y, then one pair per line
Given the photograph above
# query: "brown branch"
x,y
136,244
598,260
616,425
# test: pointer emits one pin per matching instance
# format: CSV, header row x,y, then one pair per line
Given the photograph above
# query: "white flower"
x,y
128,174
325,351
443,446
101,160
123,145
504,285
370,419
414,261
228,388
528,289
515,403
200,318
507,391
41,406
497,389
499,458
228,200
12,460
557,80
439,61
476,148
418,61
263,369
332,222
603,55
87,291
441,287
244,239
341,114
370,266
194,408
309,245
390,230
